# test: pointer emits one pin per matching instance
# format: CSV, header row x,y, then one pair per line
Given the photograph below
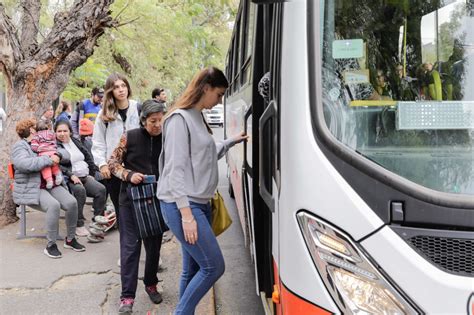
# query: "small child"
x,y
44,143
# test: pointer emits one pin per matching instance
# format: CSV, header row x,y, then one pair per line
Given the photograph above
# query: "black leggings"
x,y
130,248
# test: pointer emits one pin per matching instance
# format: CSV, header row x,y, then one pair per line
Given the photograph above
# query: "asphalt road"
x,y
235,292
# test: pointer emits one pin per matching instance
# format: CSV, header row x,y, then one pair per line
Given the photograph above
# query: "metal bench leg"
x,y
22,234
22,221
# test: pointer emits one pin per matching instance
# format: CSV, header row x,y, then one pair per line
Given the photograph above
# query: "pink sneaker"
x,y
153,293
126,306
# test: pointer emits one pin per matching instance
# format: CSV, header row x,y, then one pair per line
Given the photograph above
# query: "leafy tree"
x,y
68,47
163,43
449,31
38,55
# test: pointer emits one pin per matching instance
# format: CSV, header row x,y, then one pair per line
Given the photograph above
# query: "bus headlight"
x,y
363,295
354,282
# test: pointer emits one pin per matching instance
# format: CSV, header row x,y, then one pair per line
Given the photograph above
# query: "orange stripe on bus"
x,y
290,303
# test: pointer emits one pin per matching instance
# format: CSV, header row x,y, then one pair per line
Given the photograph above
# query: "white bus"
x,y
356,190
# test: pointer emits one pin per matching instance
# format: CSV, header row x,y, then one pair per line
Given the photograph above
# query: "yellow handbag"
x,y
220,216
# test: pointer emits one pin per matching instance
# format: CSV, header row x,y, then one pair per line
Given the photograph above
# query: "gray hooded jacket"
x,y
27,164
188,160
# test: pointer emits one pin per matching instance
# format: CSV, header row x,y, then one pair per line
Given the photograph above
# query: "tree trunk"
x,y
37,74
20,107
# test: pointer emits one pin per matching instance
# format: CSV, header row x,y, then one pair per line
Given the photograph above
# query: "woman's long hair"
x,y
109,108
195,90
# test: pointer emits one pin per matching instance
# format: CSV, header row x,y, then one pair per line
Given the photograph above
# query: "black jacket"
x,y
141,156
142,153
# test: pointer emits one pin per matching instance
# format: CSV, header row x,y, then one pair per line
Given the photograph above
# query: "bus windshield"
x,y
398,86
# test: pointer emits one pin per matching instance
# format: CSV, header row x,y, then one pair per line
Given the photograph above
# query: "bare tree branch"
x,y
75,33
127,22
30,25
10,49
122,10
123,62
84,22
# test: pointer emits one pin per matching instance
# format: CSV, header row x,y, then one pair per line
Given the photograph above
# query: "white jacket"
x,y
107,137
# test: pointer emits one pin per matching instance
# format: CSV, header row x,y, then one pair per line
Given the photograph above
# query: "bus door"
x,y
268,157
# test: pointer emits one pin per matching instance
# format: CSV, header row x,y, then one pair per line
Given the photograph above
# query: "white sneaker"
x,y
94,239
82,231
59,179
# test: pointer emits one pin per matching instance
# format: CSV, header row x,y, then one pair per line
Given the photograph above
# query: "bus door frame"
x,y
269,152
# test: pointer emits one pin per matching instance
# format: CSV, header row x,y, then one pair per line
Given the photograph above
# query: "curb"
x,y
213,302
207,306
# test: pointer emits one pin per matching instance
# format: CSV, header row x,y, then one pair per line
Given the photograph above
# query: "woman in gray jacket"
x,y
29,189
188,180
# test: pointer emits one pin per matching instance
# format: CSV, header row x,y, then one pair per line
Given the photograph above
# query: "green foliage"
x,y
164,43
86,77
449,31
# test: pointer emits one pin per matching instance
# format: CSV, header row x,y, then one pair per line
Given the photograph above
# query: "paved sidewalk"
x,y
78,283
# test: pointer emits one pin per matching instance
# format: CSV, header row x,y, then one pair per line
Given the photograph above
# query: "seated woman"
x,y
30,190
79,174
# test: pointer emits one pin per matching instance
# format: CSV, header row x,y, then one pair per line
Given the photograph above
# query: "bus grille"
x,y
454,255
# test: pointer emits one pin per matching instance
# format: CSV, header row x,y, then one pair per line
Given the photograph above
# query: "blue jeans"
x,y
203,262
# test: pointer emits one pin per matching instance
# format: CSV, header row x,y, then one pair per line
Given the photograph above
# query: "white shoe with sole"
x,y
59,179
82,231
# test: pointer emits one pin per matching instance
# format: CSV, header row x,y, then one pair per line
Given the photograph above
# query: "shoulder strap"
x,y
180,112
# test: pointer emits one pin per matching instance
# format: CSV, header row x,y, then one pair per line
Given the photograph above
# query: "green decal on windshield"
x,y
348,48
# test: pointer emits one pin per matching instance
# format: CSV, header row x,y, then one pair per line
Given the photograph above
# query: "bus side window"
x,y
247,42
